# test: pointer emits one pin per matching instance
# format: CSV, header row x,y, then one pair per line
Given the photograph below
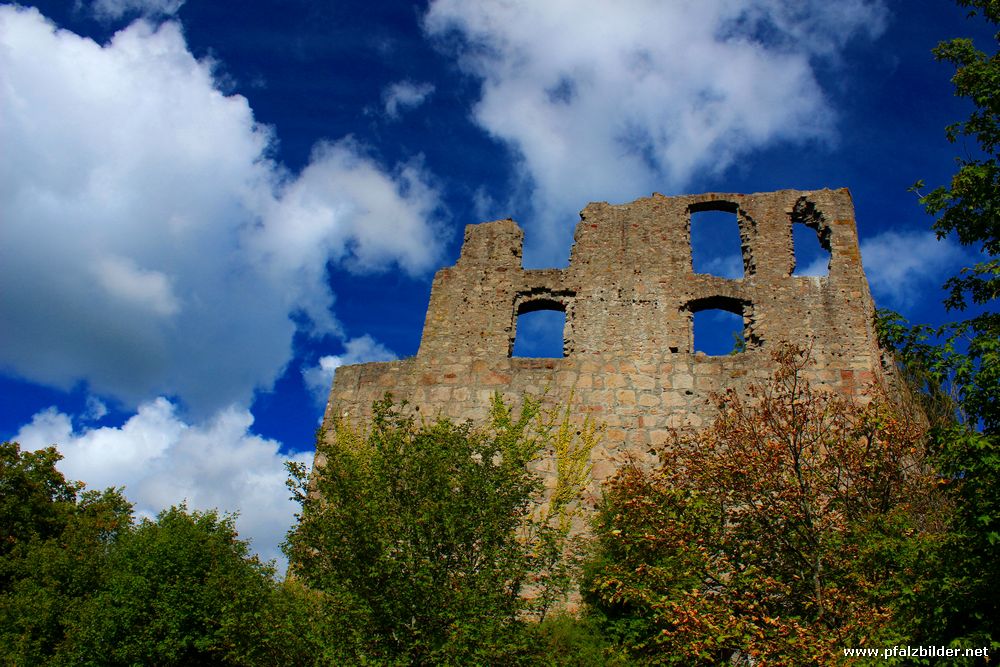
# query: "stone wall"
x,y
629,294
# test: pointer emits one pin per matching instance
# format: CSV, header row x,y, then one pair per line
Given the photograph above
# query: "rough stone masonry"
x,y
629,295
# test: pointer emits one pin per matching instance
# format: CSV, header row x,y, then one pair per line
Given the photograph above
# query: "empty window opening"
x,y
539,332
719,325
718,332
812,251
716,247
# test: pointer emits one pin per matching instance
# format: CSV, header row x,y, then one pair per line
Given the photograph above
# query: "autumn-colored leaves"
x,y
787,529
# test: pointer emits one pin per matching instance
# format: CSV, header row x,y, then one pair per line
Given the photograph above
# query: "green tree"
x,y
969,207
84,585
35,498
797,524
180,590
426,537
958,365
56,538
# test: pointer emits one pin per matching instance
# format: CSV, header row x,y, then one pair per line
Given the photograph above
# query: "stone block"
x,y
640,381
660,437
682,381
649,400
625,397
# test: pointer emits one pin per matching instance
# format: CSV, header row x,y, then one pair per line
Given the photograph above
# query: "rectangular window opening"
x,y
812,257
716,247
718,332
540,334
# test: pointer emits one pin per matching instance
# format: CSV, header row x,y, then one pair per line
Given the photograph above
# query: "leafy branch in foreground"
x,y
798,523
962,358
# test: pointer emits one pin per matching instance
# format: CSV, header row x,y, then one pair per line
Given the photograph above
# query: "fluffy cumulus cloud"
x,y
344,208
359,350
162,460
149,246
903,265
615,100
404,95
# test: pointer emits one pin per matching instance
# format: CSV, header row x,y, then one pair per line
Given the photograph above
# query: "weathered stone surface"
x,y
629,294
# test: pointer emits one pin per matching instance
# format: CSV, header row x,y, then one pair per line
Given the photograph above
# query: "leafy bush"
x,y
796,524
428,536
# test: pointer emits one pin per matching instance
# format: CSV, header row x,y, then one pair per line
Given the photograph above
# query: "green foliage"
x,y
427,537
565,640
958,365
969,207
436,549
56,540
34,497
796,524
553,547
83,585
739,343
176,591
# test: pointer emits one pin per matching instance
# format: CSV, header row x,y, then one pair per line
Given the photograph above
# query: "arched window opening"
x,y
539,331
716,246
718,326
812,251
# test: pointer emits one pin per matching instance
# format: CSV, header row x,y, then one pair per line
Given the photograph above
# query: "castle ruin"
x,y
629,295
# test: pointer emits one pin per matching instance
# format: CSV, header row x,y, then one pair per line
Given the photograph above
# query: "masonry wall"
x,y
629,294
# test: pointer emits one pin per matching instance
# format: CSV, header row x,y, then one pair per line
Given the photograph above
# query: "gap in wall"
x,y
540,334
717,332
811,258
716,248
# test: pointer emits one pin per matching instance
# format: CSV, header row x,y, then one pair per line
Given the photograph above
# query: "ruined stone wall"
x,y
629,294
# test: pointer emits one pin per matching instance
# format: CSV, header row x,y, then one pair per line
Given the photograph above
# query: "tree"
x,y
180,590
969,207
82,584
35,498
962,358
55,539
425,538
797,524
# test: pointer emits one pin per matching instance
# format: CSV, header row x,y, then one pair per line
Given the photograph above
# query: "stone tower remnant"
x,y
629,295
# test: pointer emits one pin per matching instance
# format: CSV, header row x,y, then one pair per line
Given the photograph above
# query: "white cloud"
x,y
121,278
359,350
343,207
726,266
902,266
149,246
162,460
615,100
405,95
816,268
96,409
116,9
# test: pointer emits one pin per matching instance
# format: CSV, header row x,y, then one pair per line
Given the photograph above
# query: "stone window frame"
x,y
537,299
805,212
746,247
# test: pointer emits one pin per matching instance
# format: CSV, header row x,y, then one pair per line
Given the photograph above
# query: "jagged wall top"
x,y
630,288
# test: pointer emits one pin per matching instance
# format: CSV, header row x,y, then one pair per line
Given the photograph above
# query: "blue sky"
x,y
206,207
